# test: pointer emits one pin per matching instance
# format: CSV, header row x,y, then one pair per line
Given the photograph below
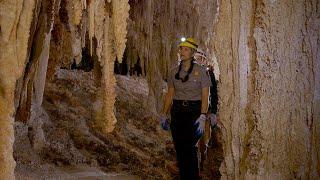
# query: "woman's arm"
x,y
204,100
168,101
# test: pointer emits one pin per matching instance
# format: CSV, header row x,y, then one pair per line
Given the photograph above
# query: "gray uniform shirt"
x,y
191,89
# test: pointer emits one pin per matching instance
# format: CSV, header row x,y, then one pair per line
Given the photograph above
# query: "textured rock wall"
x,y
269,93
15,22
37,37
268,52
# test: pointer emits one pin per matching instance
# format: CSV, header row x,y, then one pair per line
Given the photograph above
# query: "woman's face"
x,y
186,53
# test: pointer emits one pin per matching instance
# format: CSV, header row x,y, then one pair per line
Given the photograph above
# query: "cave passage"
x,y
83,83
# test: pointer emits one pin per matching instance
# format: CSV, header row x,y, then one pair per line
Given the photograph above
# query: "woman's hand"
x,y
201,122
164,122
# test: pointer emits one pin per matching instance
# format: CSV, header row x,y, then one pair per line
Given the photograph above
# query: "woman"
x,y
188,94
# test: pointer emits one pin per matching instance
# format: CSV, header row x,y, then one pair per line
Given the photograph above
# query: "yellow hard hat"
x,y
189,42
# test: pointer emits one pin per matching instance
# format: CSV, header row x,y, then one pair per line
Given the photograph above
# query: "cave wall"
x,y
268,53
39,36
15,23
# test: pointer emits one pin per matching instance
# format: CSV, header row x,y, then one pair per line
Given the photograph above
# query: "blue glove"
x,y
201,122
164,123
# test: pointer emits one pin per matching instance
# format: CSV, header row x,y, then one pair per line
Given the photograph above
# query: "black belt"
x,y
187,103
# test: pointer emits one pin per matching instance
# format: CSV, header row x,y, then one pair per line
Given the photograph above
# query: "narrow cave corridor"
x,y
84,82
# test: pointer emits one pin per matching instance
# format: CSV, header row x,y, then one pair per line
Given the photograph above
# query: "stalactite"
x,y
64,39
77,26
101,14
76,11
120,14
40,77
91,22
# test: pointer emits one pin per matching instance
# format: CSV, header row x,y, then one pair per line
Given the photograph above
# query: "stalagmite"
x,y
108,78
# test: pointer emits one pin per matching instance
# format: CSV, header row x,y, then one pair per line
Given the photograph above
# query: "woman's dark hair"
x,y
177,76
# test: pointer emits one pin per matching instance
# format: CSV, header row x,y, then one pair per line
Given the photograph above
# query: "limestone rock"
x,y
269,94
15,22
268,60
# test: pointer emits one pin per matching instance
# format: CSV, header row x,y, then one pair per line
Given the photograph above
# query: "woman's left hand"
x,y
201,122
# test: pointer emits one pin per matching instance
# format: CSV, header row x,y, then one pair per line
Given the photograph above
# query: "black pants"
x,y
183,117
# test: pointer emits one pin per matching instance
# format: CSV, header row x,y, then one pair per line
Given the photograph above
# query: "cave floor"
x,y
69,172
71,149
